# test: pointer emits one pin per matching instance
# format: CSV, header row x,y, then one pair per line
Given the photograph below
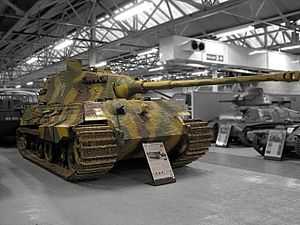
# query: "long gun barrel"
x,y
287,77
125,89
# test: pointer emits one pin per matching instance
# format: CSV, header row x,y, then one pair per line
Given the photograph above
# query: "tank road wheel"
x,y
21,143
49,151
40,150
260,149
33,146
215,131
62,154
72,148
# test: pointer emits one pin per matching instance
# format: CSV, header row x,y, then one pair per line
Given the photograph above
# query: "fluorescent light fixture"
x,y
258,52
290,47
157,78
63,44
197,73
196,65
236,31
31,60
18,86
153,50
133,11
45,79
239,70
156,69
101,64
29,83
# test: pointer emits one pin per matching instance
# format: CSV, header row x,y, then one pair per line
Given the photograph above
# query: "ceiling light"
x,y
101,64
153,50
31,60
239,70
156,69
133,11
258,52
157,78
29,83
18,86
198,73
196,65
236,31
290,47
63,44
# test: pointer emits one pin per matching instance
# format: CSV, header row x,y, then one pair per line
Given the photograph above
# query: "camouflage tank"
x,y
88,120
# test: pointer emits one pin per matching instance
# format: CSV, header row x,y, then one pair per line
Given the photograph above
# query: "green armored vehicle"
x,y
88,120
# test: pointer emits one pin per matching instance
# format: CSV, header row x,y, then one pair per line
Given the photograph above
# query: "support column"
x,y
92,49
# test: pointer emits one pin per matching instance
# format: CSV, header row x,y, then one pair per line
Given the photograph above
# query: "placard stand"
x,y
275,145
159,164
223,135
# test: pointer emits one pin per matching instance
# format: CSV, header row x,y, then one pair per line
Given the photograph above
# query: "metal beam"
x,y
14,7
57,37
21,22
51,21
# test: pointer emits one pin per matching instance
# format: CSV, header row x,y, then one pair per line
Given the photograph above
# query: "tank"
x,y
12,103
254,115
88,120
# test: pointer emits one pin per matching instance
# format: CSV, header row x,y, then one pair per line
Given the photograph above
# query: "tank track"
x,y
91,153
198,140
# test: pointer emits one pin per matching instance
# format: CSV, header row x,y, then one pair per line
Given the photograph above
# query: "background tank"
x,y
254,115
12,103
87,120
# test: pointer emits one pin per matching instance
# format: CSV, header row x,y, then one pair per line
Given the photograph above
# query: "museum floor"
x,y
228,186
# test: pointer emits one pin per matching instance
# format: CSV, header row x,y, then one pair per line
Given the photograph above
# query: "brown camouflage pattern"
x,y
78,96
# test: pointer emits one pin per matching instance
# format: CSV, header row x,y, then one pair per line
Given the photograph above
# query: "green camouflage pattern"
x,y
75,102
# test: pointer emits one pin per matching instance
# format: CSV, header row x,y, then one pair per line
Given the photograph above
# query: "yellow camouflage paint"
x,y
85,97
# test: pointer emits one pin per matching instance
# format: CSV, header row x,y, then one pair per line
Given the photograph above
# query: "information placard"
x,y
159,164
275,144
223,135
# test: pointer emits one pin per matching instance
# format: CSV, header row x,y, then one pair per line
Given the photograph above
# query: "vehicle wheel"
x,y
49,152
71,153
21,143
215,132
40,150
260,150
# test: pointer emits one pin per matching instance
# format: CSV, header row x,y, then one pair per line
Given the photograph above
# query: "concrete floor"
x,y
229,186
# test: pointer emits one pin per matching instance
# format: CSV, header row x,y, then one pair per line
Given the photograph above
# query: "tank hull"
x,y
87,120
86,146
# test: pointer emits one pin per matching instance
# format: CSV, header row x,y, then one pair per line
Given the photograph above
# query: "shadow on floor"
x,y
287,168
125,175
5,193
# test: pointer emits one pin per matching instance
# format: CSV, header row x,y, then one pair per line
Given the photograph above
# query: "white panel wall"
x,y
175,49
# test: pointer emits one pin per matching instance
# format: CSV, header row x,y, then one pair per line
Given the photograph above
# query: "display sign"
x,y
223,135
159,163
212,57
275,144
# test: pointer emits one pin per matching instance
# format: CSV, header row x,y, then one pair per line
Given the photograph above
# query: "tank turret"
x,y
251,97
87,120
77,84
